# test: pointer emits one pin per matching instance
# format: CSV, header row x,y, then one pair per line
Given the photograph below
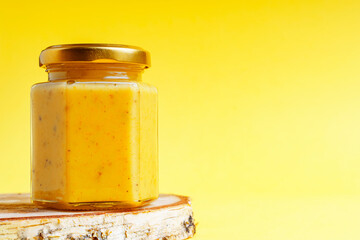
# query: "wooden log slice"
x,y
170,217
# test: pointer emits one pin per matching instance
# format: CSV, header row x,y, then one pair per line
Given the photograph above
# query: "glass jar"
x,y
94,128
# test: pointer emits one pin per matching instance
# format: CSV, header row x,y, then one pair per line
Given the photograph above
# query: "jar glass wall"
x,y
94,135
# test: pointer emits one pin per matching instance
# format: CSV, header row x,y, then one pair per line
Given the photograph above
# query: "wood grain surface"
x,y
168,217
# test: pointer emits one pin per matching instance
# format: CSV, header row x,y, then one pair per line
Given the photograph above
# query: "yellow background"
x,y
259,104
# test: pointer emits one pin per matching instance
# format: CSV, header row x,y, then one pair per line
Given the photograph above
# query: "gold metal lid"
x,y
97,53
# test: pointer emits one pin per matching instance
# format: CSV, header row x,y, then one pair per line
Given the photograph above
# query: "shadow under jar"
x,y
94,129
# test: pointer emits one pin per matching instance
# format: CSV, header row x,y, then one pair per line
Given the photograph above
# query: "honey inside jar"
x,y
94,134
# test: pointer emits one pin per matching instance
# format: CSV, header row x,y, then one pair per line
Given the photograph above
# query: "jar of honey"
x,y
94,128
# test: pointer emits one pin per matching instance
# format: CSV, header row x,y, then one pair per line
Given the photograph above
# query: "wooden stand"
x,y
170,217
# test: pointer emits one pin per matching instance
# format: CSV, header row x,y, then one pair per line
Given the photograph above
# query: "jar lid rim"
x,y
95,53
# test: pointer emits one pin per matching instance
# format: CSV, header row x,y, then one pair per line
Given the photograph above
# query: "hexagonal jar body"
x,y
94,133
